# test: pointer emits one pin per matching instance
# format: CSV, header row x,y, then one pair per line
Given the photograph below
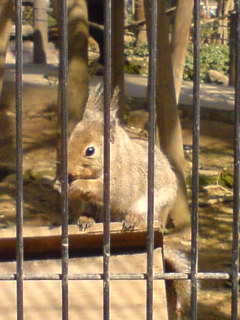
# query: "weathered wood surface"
x,y
45,242
42,298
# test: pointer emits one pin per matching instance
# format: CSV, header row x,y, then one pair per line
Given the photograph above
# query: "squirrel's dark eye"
x,y
90,151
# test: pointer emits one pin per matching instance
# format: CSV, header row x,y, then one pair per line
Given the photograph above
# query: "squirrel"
x,y
128,169
128,184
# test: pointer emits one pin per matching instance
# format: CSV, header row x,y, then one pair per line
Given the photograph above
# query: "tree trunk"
x,y
169,129
6,13
40,35
223,9
232,49
141,34
118,51
220,8
180,41
207,7
224,22
78,34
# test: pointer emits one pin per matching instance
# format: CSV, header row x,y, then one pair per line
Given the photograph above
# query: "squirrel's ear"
x,y
114,109
93,108
115,105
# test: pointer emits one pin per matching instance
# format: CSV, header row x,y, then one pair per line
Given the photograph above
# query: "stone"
x,y
217,77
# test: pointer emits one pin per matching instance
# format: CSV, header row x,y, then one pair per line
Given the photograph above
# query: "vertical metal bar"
x,y
236,202
19,159
63,69
106,194
151,146
195,173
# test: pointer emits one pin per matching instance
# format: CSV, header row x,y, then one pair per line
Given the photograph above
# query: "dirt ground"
x,y
215,216
40,199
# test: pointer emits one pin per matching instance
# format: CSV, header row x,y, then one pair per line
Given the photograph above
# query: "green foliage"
x,y
132,68
136,58
226,178
138,51
52,22
130,16
211,57
136,66
28,15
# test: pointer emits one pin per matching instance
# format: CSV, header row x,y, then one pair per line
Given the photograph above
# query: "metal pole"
x,y
19,159
151,147
236,190
106,195
63,70
195,168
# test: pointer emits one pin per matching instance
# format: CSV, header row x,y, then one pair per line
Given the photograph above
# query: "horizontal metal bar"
x,y
122,276
8,276
214,276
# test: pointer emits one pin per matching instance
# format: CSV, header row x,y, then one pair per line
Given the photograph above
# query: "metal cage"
x,y
106,276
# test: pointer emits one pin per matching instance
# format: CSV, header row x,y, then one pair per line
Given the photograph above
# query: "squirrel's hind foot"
x,y
85,222
132,221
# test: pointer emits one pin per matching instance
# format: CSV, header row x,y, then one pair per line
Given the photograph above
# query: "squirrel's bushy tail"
x,y
178,291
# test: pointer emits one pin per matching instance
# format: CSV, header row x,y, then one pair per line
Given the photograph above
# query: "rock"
x,y
206,178
27,30
222,179
217,77
213,194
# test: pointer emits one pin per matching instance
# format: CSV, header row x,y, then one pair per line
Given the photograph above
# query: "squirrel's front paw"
x,y
75,189
79,189
85,222
86,190
132,221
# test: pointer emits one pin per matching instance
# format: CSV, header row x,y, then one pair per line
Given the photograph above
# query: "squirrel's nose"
x,y
71,178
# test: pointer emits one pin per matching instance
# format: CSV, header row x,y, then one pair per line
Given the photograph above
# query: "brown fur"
x,y
128,162
178,291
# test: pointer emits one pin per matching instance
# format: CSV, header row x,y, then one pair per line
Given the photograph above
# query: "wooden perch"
x,y
44,242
